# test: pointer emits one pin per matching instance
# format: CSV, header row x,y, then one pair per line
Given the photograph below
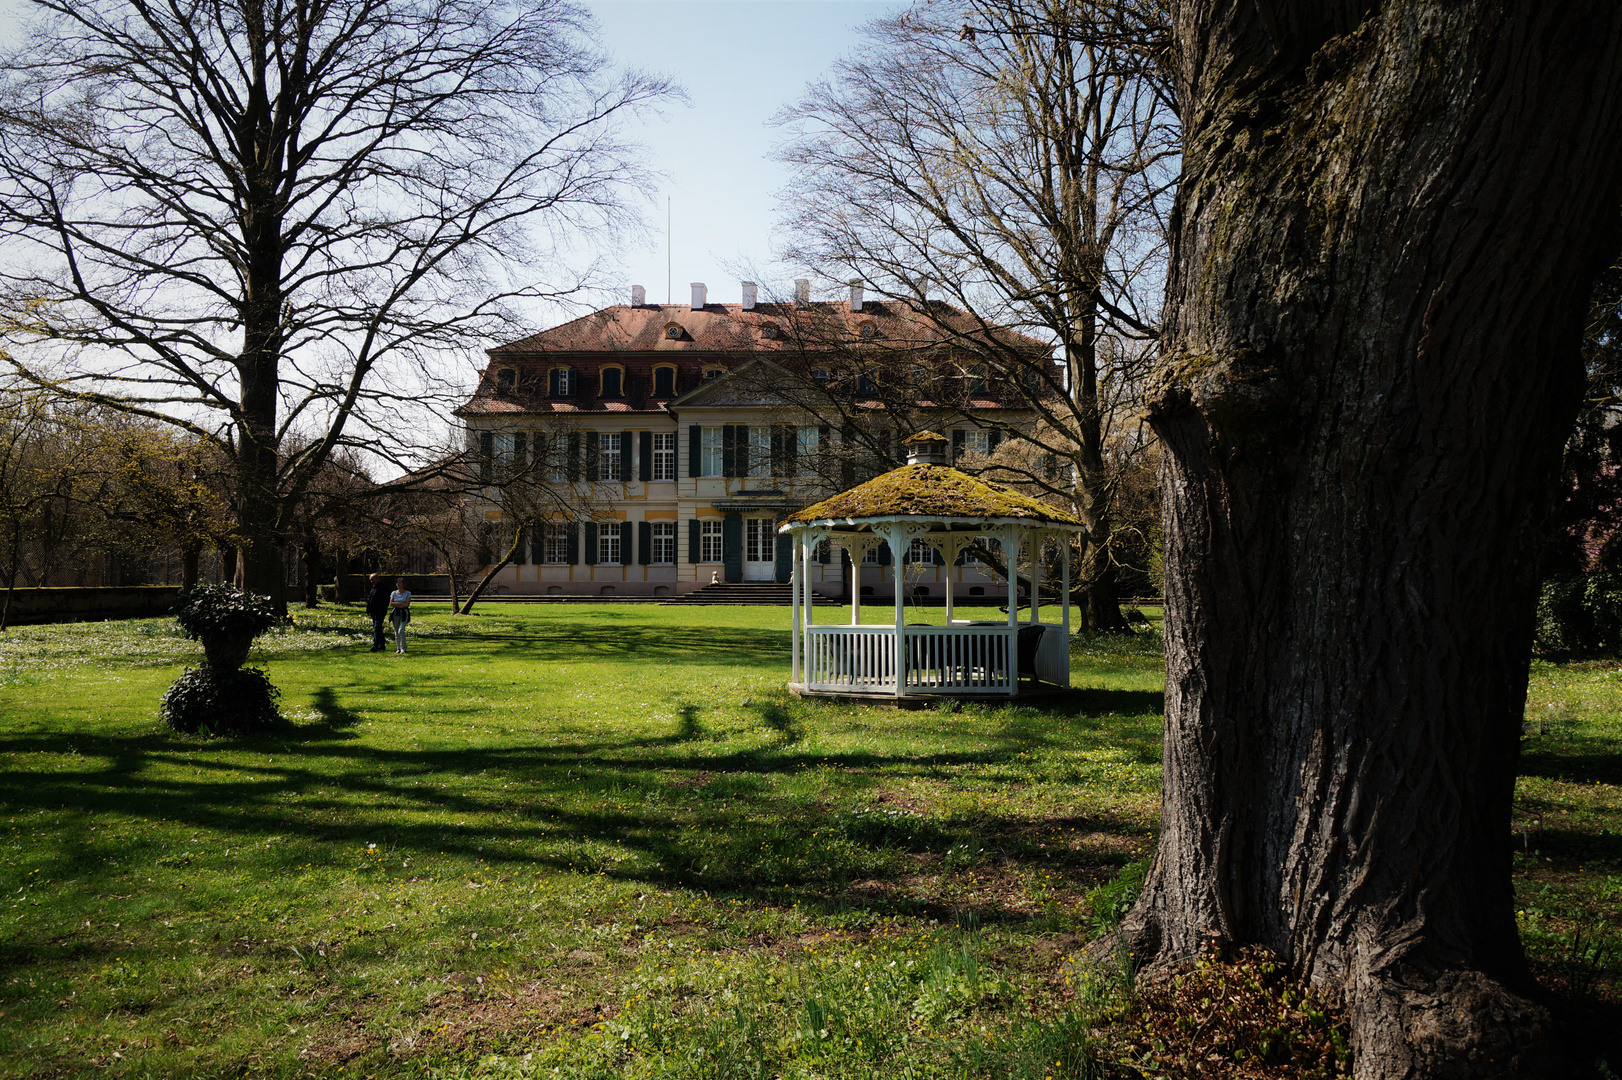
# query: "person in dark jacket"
x,y
377,606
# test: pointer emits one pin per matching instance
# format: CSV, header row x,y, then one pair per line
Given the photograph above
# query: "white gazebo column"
x,y
896,536
1010,538
1038,542
951,546
1064,538
794,580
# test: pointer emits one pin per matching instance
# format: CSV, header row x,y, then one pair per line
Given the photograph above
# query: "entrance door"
x,y
759,549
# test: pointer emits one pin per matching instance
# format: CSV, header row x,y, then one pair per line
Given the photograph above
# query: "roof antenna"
x,y
667,250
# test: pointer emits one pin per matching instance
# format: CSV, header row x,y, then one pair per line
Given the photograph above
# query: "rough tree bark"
x,y
1390,216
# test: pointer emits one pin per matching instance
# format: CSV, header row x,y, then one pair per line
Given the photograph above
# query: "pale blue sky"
x,y
740,61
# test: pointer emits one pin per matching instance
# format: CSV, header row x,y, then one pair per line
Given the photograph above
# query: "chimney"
x,y
856,295
749,296
926,448
802,291
700,296
639,296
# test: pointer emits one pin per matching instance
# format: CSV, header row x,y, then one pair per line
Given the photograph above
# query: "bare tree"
x,y
252,217
1016,157
42,466
1383,250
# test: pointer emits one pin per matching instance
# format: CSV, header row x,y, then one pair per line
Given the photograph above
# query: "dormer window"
x,y
672,332
867,330
769,332
713,373
613,382
506,380
560,382
664,382
820,374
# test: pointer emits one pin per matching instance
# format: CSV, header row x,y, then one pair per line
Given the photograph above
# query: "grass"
x,y
593,841
598,840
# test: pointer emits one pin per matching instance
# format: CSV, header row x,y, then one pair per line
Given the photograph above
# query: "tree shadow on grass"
x,y
656,809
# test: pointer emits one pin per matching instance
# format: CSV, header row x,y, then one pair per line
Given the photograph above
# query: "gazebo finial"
x,y
926,448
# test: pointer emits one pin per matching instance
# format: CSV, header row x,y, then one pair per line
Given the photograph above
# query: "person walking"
x,y
377,606
399,613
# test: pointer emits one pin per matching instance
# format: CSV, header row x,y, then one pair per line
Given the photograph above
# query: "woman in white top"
x,y
399,613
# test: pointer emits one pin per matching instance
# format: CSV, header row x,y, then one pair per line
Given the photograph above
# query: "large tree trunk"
x,y
1381,256
520,538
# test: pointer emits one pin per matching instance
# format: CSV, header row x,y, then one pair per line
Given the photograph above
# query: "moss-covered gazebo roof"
x,y
932,492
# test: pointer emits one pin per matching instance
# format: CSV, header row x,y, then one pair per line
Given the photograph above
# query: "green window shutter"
x,y
627,538
729,451
1050,465
992,439
594,445
572,470
627,448
521,556
646,456
695,453
885,557
537,543
827,555
693,542
483,555
520,452
785,557
574,544
777,451
644,542
732,547
791,451
591,543
487,456
958,438
740,453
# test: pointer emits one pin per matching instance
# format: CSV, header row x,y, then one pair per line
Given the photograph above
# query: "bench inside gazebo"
x,y
950,511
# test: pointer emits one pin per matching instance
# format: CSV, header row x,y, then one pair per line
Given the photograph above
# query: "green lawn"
x,y
602,841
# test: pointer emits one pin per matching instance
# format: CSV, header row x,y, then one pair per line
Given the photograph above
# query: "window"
x,y
709,541
921,553
709,463
760,450
977,378
557,535
560,382
556,450
664,382
822,552
713,373
867,330
506,380
758,540
866,380
870,557
664,456
608,542
664,542
672,332
805,448
613,380
976,442
769,332
820,374
611,457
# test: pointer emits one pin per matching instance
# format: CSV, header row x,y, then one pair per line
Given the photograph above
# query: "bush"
x,y
223,610
221,702
1580,615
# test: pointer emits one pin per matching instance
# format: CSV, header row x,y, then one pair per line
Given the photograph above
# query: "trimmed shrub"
x,y
223,611
219,701
1580,615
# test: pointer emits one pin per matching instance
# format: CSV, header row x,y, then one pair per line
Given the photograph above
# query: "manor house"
x,y
662,444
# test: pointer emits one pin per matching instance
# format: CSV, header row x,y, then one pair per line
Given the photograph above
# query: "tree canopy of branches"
x,y
1016,157
1370,362
260,218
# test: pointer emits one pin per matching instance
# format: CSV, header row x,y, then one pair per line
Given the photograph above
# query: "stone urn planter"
x,y
222,697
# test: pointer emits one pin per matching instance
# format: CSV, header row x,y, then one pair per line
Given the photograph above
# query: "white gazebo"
x,y
949,510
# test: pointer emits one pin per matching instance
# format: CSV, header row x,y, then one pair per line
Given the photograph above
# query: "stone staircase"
x,y
746,592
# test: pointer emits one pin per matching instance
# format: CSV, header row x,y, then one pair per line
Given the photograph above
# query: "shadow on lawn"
x,y
655,809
